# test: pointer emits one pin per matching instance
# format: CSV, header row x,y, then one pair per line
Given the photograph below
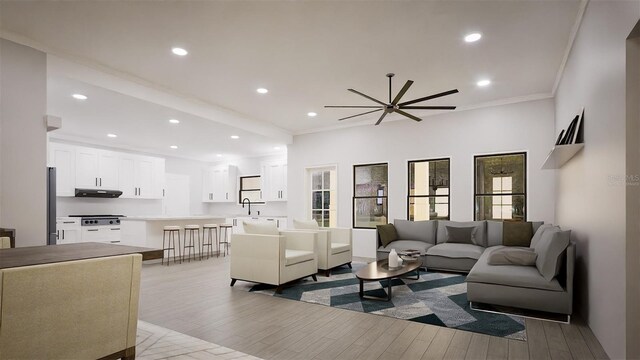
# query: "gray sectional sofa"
x,y
506,285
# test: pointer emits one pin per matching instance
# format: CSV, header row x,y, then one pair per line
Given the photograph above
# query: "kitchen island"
x,y
147,231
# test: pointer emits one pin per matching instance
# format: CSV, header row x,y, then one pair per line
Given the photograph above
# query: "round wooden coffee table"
x,y
379,270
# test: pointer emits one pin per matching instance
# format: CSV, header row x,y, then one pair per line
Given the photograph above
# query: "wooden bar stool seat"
x,y
208,231
224,240
191,240
169,236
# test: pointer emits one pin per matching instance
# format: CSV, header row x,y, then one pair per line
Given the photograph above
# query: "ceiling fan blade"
x,y
364,113
353,106
408,115
404,89
367,96
434,96
381,117
429,107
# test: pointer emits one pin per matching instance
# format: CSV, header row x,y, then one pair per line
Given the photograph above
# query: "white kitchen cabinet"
x,y
219,184
96,169
274,181
63,158
68,230
281,222
106,234
159,178
137,176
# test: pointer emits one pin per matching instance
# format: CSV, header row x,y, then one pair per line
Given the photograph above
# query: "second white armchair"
x,y
335,246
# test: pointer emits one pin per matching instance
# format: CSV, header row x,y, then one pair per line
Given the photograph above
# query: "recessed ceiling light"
x,y
262,90
276,148
174,121
235,137
311,114
483,83
472,37
112,135
174,146
179,51
219,155
79,96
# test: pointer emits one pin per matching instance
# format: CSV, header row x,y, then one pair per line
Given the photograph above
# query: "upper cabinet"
x,y
274,181
219,184
62,157
96,169
138,177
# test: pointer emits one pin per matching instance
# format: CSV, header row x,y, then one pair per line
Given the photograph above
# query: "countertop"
x,y
171,218
195,217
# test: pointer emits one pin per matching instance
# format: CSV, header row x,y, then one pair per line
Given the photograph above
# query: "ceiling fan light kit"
x,y
395,106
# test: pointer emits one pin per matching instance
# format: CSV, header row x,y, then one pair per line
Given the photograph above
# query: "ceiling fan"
x,y
395,105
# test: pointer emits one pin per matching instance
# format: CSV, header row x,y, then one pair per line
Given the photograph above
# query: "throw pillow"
x,y
387,234
513,256
305,224
536,237
461,235
260,227
517,233
550,249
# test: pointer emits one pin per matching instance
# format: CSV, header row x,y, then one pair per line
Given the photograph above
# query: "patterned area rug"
x,y
437,298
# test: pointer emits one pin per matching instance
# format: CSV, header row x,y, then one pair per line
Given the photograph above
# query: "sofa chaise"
x,y
506,285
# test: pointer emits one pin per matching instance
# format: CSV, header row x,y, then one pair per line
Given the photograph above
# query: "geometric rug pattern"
x,y
436,298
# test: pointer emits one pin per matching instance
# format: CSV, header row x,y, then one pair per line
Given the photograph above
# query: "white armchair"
x,y
335,245
274,259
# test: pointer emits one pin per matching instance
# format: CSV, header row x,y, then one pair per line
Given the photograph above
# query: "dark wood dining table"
x,y
47,254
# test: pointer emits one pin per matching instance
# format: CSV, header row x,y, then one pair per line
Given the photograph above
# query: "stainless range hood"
x,y
98,193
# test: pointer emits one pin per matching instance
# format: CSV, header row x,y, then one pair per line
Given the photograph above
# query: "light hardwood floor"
x,y
195,299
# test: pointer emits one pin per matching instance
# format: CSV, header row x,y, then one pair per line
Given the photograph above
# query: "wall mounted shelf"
x,y
560,154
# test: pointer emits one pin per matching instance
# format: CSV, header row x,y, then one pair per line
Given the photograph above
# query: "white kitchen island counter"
x,y
147,231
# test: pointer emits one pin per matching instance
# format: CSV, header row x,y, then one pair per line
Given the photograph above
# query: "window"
x,y
323,195
251,188
370,192
500,187
428,197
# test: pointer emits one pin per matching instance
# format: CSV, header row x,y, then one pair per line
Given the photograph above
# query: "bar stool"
x,y
208,230
169,233
189,232
225,240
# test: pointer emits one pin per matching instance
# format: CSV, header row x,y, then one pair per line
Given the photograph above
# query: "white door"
x,y
108,168
144,178
126,176
177,200
87,168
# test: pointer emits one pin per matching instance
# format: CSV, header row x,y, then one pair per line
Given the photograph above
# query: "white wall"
x,y
23,155
591,187
246,167
526,126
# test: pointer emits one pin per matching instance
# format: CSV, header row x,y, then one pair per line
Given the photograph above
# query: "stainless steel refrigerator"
x,y
51,206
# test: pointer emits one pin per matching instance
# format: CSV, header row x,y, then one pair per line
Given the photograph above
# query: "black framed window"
x,y
428,196
500,187
251,188
370,190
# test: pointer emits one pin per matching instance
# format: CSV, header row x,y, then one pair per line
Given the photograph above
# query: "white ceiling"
x,y
307,53
144,126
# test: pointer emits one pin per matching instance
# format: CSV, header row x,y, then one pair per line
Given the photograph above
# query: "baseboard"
x,y
529,314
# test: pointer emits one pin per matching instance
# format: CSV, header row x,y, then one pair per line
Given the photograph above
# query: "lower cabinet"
x,y
281,222
68,231
108,234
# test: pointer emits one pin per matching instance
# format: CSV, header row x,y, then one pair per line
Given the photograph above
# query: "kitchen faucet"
x,y
249,205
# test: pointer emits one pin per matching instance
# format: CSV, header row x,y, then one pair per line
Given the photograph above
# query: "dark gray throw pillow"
x,y
517,233
387,234
460,235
